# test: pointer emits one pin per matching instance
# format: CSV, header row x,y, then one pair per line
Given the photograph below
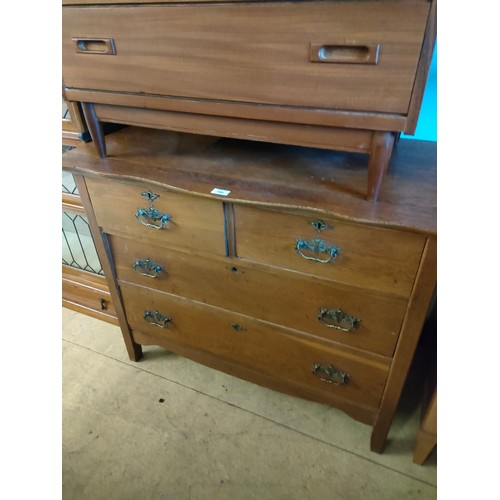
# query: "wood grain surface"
x,y
312,181
276,295
250,52
266,347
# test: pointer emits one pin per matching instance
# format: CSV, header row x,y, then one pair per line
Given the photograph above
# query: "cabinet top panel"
x,y
295,178
131,2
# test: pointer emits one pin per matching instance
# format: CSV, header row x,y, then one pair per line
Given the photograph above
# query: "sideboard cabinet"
x,y
261,261
335,74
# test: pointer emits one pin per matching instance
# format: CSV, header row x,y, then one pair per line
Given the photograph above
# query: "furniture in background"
x,y
84,287
427,434
340,75
263,261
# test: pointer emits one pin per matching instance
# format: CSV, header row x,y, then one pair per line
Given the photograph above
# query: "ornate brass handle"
x,y
330,374
338,319
156,218
316,246
156,318
151,269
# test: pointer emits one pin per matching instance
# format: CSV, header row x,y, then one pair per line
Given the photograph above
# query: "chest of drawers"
x,y
337,74
276,279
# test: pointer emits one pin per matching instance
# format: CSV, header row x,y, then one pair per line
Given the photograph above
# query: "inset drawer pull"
x,y
158,220
316,246
338,319
330,374
345,53
97,46
103,304
156,318
151,269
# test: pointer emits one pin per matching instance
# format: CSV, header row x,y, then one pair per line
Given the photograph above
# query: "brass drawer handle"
x,y
156,318
96,46
151,217
316,246
330,374
338,319
147,268
345,53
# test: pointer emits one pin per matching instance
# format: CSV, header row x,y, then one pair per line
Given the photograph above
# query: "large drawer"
x,y
263,347
351,316
172,219
354,254
255,52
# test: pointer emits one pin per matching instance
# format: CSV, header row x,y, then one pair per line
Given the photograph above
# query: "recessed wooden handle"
x,y
100,46
344,53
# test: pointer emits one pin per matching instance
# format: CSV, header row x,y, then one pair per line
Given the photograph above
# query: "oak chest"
x,y
267,263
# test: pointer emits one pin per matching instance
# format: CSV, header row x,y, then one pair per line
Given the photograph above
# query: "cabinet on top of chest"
x,y
337,74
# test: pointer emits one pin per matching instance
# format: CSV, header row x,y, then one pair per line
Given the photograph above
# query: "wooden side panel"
x,y
425,284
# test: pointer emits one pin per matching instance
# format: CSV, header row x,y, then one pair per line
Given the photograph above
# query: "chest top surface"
x,y
276,176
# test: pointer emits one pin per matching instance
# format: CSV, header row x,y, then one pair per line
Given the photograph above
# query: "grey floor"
x,y
168,428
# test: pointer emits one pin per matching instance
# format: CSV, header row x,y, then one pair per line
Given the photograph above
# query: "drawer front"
x,y
367,257
268,349
355,317
171,219
255,52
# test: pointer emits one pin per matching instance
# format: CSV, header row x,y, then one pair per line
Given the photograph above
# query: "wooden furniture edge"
x,y
413,322
422,70
134,350
249,111
302,210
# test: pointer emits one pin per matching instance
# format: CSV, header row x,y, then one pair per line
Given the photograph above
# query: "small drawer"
x,y
348,374
157,216
356,317
359,56
354,254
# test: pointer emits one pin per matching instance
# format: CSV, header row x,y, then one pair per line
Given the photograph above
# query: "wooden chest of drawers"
x,y
336,74
281,279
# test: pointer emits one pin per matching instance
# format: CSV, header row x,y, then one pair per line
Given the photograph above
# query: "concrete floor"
x,y
168,428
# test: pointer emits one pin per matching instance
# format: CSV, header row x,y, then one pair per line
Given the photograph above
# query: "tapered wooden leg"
x,y
95,128
380,155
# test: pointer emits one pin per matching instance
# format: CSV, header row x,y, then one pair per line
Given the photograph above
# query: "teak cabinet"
x,y
266,261
341,75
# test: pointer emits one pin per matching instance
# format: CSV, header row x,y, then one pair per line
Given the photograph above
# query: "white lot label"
x,y
220,192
